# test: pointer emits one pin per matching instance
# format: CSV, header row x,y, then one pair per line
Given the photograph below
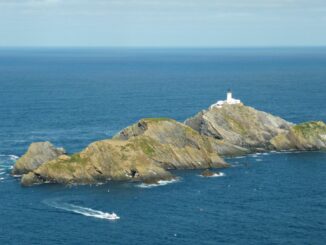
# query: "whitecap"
x,y
239,157
1,173
259,160
83,210
218,174
159,183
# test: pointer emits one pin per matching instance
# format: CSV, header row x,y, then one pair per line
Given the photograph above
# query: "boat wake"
x,y
159,183
83,210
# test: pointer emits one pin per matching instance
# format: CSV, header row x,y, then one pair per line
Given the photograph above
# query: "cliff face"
x,y
239,125
147,150
168,131
36,154
144,151
305,136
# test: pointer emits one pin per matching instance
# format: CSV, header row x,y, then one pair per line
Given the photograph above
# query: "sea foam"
x,y
159,183
83,210
11,157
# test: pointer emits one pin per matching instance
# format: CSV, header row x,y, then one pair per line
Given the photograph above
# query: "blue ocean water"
x,y
72,97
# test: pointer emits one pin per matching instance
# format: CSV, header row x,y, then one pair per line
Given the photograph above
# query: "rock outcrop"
x,y
37,153
208,173
143,152
147,150
305,136
239,125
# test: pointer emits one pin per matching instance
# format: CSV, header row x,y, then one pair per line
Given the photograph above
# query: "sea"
x,y
74,96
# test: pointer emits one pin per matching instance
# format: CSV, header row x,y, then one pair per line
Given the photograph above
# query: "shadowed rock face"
x,y
37,153
239,125
147,150
168,131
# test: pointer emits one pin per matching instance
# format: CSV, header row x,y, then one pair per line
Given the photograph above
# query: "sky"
x,y
162,23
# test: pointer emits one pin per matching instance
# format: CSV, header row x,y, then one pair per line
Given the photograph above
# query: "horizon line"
x,y
160,47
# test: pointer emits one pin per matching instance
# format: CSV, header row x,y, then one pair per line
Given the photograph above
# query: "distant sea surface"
x,y
73,97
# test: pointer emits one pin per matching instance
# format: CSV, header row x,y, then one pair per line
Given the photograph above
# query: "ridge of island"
x,y
148,149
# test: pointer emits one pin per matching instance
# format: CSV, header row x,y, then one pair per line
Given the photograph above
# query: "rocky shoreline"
x,y
148,149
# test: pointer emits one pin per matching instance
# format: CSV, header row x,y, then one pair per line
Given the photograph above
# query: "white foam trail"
x,y
2,178
1,173
159,183
84,211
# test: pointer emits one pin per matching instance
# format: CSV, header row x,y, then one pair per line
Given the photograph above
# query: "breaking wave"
x,y
159,183
218,175
83,210
7,161
11,157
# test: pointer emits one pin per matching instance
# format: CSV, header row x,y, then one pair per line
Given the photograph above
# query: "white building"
x,y
229,100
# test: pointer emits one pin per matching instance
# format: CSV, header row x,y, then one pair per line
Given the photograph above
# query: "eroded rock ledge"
x,y
147,150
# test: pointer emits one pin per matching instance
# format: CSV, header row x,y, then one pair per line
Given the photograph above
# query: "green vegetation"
x,y
67,165
235,124
146,145
61,167
191,131
309,129
158,119
280,140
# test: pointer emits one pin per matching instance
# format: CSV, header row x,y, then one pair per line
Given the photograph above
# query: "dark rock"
x,y
208,173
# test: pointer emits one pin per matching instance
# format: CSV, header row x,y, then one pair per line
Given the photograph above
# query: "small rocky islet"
x,y
147,150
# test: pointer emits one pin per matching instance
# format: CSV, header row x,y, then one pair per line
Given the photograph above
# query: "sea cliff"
x,y
149,149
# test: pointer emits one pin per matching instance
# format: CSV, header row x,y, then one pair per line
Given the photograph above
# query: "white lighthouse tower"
x,y
229,100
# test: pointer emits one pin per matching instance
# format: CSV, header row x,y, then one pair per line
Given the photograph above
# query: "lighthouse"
x,y
229,100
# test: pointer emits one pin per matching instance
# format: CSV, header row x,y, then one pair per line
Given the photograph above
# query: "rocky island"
x,y
148,149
